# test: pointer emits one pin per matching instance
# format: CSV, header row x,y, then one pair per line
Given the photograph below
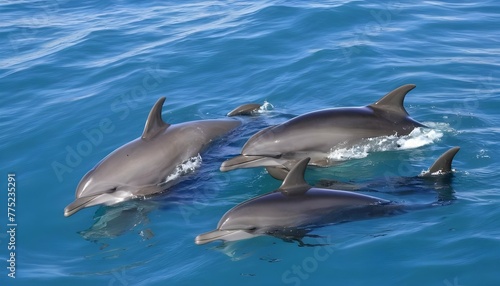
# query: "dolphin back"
x,y
245,109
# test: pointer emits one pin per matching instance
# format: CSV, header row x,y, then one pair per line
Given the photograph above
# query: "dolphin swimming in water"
x,y
317,133
436,178
294,208
140,168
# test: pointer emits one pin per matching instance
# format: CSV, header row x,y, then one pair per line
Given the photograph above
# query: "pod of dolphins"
x,y
144,167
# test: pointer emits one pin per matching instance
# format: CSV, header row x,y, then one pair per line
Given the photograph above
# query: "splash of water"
x,y
265,107
186,167
417,138
425,173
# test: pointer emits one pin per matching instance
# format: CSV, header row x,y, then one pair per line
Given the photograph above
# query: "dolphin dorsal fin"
x,y
294,183
393,101
443,163
154,123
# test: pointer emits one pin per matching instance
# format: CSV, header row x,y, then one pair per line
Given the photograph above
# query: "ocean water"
x,y
78,79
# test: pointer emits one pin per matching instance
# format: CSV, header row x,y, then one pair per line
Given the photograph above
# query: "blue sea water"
x,y
78,79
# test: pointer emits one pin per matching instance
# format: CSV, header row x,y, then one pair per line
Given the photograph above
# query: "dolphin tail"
x,y
245,109
226,235
78,204
443,164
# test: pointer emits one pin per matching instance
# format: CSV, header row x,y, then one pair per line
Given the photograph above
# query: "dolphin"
x,y
140,168
437,178
295,207
317,133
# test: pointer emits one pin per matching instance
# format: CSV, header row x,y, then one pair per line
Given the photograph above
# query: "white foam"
x,y
482,154
440,126
437,173
265,107
417,138
186,167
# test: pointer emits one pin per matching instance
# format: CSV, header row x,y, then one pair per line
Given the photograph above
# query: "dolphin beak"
x,y
77,205
249,161
227,235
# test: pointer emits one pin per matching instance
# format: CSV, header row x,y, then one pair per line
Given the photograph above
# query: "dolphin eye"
x,y
112,190
252,229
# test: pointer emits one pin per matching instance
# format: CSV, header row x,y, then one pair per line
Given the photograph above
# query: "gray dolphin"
x,y
436,178
141,167
293,207
317,133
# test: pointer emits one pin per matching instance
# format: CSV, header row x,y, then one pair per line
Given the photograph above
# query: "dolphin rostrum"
x,y
294,207
317,133
140,168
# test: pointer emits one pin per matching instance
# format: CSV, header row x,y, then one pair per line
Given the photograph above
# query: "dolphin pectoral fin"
x,y
277,172
443,164
245,109
78,204
152,189
246,161
227,235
